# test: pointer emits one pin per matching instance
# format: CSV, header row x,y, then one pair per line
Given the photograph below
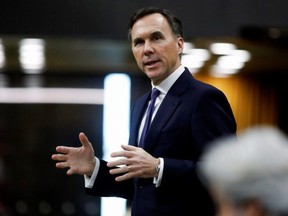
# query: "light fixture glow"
x,y
229,62
218,71
32,55
194,59
222,48
2,55
187,46
190,62
241,55
115,130
51,95
199,54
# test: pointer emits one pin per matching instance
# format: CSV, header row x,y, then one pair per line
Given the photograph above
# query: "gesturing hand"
x,y
133,162
78,160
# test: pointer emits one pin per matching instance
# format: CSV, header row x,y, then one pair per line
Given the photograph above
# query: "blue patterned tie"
x,y
154,94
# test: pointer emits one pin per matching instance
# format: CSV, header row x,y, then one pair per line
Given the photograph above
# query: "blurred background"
x,y
66,66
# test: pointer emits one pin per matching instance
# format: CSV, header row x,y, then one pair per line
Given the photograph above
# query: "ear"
x,y
180,43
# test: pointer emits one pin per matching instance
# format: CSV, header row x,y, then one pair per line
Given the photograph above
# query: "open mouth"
x,y
151,63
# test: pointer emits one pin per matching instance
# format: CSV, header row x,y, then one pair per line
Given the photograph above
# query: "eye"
x,y
157,37
138,42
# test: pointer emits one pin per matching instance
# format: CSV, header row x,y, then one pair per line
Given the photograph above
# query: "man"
x,y
248,175
159,175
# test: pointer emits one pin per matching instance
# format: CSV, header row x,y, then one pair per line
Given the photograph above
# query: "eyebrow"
x,y
155,33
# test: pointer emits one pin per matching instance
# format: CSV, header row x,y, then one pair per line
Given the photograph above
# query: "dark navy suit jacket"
x,y
191,115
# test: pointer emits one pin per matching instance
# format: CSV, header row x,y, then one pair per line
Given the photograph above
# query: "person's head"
x,y
248,175
157,42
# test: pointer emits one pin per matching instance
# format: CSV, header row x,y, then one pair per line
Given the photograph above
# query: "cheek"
x,y
136,55
171,52
138,60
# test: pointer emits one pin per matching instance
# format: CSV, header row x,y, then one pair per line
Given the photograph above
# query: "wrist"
x,y
92,167
157,167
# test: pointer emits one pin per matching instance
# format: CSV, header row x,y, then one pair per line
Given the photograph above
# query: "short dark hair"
x,y
173,21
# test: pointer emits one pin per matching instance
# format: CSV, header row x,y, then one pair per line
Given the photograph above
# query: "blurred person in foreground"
x,y
248,175
159,174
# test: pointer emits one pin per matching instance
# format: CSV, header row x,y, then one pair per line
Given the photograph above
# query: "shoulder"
x,y
197,85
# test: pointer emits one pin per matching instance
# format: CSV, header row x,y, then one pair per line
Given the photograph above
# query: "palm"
x,y
79,160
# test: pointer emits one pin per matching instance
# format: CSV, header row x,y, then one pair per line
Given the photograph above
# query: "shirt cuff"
x,y
89,180
157,180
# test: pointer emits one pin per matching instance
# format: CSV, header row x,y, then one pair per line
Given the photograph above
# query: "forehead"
x,y
149,24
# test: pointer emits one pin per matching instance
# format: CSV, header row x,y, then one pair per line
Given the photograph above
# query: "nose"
x,y
148,48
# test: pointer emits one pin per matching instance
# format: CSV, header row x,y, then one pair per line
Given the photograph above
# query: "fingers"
x,y
128,151
120,162
119,154
84,139
63,149
77,160
124,177
125,156
129,147
127,170
119,170
62,165
69,172
59,157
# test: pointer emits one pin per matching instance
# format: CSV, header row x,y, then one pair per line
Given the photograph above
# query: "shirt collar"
x,y
166,84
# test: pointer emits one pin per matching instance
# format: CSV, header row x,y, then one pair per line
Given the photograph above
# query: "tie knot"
x,y
155,93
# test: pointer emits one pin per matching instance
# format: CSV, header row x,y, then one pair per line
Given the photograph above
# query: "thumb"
x,y
84,139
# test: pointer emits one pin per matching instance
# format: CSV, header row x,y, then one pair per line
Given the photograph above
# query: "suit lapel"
x,y
137,113
167,108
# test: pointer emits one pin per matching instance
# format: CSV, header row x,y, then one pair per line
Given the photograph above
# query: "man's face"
x,y
155,48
